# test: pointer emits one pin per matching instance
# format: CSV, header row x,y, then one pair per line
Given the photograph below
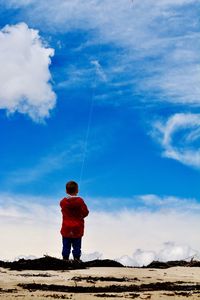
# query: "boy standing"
x,y
74,210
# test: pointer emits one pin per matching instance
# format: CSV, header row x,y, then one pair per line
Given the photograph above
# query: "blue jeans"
x,y
69,243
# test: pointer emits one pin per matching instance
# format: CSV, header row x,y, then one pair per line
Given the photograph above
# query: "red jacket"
x,y
74,210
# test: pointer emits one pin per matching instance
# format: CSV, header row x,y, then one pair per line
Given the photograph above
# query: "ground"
x,y
101,282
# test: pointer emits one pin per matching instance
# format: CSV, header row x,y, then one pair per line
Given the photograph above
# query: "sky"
x,y
106,93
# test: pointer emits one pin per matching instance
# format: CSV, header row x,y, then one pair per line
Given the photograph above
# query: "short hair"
x,y
71,187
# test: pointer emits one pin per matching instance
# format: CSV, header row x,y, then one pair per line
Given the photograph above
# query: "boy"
x,y
74,210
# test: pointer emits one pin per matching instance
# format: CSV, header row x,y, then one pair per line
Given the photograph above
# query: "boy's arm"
x,y
61,203
84,208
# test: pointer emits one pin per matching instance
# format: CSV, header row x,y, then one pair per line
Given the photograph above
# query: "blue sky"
x,y
136,66
123,77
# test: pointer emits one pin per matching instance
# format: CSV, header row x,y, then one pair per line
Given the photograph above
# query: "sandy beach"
x,y
101,282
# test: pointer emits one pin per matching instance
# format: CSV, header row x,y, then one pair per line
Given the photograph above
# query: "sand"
x,y
101,283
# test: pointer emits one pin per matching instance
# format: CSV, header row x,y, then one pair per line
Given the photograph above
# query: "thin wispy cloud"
x,y
16,4
169,203
148,202
179,137
90,76
55,160
147,30
99,70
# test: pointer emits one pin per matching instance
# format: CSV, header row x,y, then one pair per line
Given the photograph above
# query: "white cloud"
x,y
143,258
24,257
91,256
175,2
99,70
159,3
178,84
79,76
25,74
170,251
169,202
34,228
178,137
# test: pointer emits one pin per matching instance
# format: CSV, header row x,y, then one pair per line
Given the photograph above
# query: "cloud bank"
x,y
138,235
25,79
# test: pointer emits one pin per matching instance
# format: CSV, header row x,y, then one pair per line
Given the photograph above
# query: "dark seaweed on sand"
x,y
93,279
151,287
52,263
175,263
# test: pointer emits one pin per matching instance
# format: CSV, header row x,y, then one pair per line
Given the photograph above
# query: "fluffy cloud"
x,y
138,259
139,231
179,138
25,72
170,251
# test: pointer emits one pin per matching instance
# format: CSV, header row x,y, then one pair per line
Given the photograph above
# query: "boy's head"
x,y
72,188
